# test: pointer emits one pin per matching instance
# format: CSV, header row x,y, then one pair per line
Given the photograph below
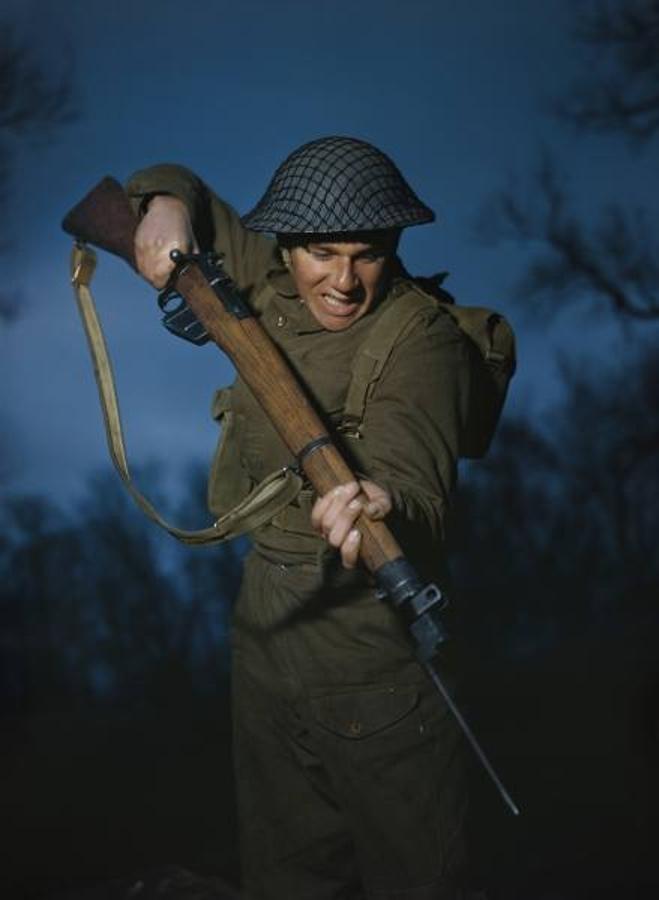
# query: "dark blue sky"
x,y
453,92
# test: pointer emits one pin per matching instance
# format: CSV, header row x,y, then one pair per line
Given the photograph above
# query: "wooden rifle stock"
x,y
105,219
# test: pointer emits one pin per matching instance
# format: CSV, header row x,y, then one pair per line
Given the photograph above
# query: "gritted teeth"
x,y
338,301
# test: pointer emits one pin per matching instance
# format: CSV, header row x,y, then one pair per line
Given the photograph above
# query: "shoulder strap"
x,y
265,501
494,362
392,325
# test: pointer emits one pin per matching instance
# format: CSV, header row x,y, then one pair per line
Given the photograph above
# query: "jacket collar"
x,y
298,313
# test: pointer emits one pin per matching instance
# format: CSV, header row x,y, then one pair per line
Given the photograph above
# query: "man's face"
x,y
340,281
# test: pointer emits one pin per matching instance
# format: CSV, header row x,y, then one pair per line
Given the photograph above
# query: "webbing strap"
x,y
367,366
488,330
268,498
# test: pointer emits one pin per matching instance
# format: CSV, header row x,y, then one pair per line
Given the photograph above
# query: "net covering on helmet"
x,y
337,184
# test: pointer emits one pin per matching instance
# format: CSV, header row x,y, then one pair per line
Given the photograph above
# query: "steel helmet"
x,y
337,185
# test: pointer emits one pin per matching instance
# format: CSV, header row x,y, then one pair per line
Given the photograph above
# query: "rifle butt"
x,y
105,219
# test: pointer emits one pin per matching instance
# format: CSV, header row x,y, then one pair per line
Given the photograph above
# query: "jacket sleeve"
x,y
248,256
412,427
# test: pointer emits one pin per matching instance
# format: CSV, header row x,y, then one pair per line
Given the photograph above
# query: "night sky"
x,y
456,93
559,603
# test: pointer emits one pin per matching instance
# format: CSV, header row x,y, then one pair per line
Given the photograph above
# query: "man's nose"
x,y
345,278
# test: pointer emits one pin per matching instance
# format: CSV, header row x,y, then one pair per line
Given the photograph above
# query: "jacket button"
x,y
355,728
281,321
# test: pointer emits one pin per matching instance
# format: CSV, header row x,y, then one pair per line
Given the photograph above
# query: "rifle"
x,y
105,219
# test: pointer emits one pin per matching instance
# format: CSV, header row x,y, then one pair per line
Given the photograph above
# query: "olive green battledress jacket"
x,y
408,441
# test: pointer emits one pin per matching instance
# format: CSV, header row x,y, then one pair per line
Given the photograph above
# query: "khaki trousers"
x,y
345,791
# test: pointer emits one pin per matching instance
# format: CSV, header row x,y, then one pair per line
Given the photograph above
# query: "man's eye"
x,y
320,254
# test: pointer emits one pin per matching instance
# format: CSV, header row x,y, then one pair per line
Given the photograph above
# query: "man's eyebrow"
x,y
330,246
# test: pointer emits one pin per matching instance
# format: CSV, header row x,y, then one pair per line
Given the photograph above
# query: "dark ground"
x,y
103,805
111,796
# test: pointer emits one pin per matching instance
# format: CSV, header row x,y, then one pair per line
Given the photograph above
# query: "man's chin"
x,y
339,322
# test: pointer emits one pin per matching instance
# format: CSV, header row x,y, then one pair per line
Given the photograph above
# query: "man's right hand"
x,y
166,226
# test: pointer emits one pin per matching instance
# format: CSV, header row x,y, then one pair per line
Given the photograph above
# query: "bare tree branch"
x,y
615,261
623,94
34,100
32,97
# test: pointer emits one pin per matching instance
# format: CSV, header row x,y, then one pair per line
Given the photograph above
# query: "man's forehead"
x,y
349,246
356,239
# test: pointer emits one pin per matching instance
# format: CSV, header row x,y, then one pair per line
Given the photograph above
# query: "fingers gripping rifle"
x,y
105,219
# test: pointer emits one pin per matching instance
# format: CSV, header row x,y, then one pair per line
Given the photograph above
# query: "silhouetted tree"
x,y
101,604
562,519
509,561
614,474
615,260
622,95
35,555
35,99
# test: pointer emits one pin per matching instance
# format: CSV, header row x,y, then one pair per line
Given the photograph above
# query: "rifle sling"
x,y
267,499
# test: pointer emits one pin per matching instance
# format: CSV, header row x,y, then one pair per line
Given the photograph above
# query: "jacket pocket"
x,y
360,714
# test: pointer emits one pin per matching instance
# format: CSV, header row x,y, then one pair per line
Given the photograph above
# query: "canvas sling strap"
x,y
267,499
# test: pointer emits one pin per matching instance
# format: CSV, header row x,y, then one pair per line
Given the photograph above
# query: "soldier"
x,y
349,769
